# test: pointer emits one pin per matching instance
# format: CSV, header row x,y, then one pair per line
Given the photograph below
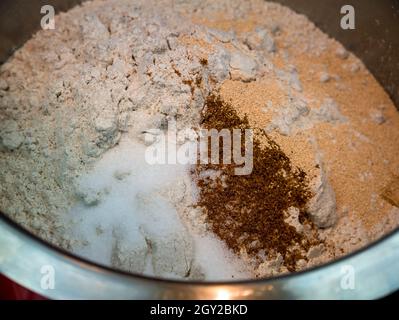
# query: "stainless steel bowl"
x,y
375,268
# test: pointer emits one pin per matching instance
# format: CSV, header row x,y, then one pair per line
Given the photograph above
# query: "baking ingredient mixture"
x,y
82,105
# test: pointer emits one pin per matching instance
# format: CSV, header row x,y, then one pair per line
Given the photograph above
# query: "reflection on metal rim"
x,y
22,258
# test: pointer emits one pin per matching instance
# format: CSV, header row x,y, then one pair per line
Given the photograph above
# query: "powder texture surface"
x,y
248,211
79,105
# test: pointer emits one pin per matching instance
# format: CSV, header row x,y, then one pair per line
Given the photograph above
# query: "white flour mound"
x,y
111,67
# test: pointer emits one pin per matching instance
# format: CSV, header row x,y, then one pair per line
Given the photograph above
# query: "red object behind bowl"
x,y
9,290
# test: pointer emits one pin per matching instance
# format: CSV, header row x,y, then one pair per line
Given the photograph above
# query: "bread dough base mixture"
x,y
77,105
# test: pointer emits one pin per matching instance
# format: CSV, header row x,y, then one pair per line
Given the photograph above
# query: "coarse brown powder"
x,y
248,212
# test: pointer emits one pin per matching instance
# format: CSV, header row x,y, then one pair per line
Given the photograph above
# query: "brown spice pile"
x,y
248,211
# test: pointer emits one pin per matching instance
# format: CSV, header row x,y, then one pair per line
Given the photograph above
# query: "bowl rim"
x,y
88,263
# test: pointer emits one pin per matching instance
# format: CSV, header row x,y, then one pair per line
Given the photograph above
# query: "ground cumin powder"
x,y
248,211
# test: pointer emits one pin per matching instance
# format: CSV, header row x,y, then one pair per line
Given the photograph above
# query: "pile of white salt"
x,y
127,218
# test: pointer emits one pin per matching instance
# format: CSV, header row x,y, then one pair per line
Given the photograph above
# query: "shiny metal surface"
x,y
22,258
376,269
